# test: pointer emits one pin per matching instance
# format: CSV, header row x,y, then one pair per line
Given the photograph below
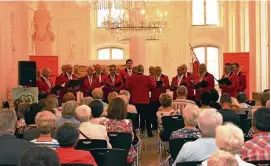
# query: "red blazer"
x,y
139,87
156,91
63,78
231,89
124,75
43,86
102,77
187,80
86,88
108,88
242,82
209,78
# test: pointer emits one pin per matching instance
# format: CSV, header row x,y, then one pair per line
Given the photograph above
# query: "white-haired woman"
x,y
230,138
86,100
130,107
222,158
68,114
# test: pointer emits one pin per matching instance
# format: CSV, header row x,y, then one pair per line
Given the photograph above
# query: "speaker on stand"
x,y
27,73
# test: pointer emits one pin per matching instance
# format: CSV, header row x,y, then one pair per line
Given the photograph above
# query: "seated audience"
x,y
52,105
181,100
203,147
214,96
45,122
264,98
230,138
68,114
190,115
111,95
67,137
226,112
97,109
23,107
11,148
258,148
116,122
222,158
97,94
39,156
242,99
87,129
86,100
68,97
205,101
130,107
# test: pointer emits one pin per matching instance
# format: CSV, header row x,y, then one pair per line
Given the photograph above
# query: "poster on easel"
x,y
29,95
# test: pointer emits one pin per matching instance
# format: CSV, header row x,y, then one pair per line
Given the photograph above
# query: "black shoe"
x,y
150,134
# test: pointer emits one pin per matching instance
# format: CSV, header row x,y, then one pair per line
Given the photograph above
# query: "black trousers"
x,y
154,106
145,116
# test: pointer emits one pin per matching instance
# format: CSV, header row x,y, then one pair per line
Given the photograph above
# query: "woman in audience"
x,y
23,107
68,114
222,158
203,147
230,138
130,107
86,100
97,109
52,105
190,115
68,97
116,122
214,96
205,99
45,122
67,137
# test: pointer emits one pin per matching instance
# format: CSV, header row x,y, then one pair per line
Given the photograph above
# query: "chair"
x,y
109,157
175,145
251,102
193,163
170,124
76,165
134,118
35,133
262,162
245,125
84,144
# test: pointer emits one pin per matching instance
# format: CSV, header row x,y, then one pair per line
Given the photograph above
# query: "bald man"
x,y
205,77
183,78
99,74
89,82
44,83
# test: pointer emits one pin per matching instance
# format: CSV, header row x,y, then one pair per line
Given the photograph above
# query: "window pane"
x,y
104,54
199,51
211,12
213,61
117,53
101,17
198,12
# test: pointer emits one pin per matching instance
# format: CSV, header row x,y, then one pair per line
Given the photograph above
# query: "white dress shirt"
x,y
47,81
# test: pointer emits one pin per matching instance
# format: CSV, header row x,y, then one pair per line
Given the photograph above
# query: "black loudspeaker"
x,y
27,73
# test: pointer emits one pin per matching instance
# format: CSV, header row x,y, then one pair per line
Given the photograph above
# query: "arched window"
x,y
210,56
110,53
205,12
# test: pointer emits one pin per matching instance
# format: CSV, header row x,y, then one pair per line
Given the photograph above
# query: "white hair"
x,y
222,158
86,100
208,121
126,94
190,115
68,109
229,138
83,113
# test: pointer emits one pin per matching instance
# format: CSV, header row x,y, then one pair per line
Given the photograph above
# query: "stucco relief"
x,y
71,46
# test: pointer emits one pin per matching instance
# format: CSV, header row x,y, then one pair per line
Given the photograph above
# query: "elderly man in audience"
x,y
11,148
181,100
39,155
68,114
97,94
226,112
67,136
202,148
45,122
86,100
230,138
97,110
130,107
88,130
258,148
222,158
190,115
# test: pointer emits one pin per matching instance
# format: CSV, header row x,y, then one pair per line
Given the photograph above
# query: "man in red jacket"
x,y
162,83
183,78
124,74
44,83
99,74
230,89
139,86
89,82
242,78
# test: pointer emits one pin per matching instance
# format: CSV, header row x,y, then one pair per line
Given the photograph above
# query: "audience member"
x,y
230,138
222,158
68,97
97,109
235,106
226,112
86,100
68,114
111,95
39,156
203,147
42,103
258,148
130,107
205,101
97,94
116,122
23,107
181,99
46,122
11,148
242,99
87,129
67,137
190,115
52,105
30,117
264,98
214,96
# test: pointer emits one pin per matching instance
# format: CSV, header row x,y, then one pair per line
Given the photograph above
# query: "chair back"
x,y
260,163
170,124
109,157
175,145
134,118
193,163
245,125
76,164
251,102
85,144
35,133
